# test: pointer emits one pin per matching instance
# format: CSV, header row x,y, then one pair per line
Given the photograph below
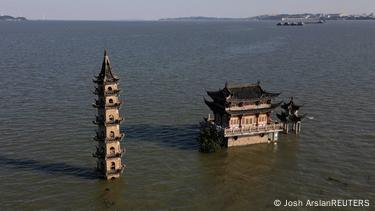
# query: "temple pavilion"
x,y
290,117
243,112
108,119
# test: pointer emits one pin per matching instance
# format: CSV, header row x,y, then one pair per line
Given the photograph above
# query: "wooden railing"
x,y
253,130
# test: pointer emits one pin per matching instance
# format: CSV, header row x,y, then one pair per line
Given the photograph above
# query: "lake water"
x,y
164,68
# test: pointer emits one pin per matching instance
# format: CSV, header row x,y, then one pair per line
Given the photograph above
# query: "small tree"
x,y
210,139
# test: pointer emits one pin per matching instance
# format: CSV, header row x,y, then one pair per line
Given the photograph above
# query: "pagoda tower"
x,y
290,117
108,119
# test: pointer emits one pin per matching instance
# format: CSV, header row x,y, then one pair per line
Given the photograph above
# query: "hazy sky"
x,y
155,9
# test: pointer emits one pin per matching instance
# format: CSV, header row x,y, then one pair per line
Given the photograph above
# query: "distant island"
x,y
202,18
11,18
278,17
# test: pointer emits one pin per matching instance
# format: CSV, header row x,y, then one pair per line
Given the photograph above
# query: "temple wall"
x,y
248,121
262,119
247,140
234,122
252,120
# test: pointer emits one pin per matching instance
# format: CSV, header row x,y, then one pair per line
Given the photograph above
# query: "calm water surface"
x,y
165,67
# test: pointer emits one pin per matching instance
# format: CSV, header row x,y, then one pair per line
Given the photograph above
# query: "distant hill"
x,y
11,18
278,17
202,18
338,16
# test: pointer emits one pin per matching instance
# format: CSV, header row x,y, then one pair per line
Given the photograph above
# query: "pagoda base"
x,y
252,139
112,176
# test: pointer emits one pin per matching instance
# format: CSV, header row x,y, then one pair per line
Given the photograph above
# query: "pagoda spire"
x,y
106,74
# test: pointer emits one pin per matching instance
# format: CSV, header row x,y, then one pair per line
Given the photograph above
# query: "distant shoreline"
x,y
11,18
277,17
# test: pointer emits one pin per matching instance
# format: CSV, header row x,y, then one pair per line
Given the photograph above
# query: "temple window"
x,y
110,100
109,88
111,117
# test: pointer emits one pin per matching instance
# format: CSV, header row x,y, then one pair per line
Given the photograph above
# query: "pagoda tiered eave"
x,y
98,104
109,140
106,93
100,121
98,154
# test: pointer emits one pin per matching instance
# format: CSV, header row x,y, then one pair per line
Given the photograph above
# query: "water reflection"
x,y
182,137
48,168
248,177
109,194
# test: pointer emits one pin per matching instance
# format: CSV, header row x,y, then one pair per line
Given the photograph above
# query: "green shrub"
x,y
210,139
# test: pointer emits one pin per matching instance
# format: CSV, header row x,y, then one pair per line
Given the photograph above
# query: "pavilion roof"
x,y
242,92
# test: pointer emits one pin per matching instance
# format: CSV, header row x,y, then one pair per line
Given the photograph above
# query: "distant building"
x,y
108,134
244,113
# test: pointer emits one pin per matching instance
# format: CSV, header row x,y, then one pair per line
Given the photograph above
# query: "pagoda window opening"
x,y
113,166
112,150
109,88
111,117
110,100
112,134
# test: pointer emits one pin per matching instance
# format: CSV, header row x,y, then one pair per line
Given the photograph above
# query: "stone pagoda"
x,y
108,119
243,113
290,117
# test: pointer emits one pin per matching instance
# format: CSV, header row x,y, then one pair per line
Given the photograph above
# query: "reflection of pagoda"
x,y
290,118
108,135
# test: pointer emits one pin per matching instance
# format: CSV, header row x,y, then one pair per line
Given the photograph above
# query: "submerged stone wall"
x,y
247,140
